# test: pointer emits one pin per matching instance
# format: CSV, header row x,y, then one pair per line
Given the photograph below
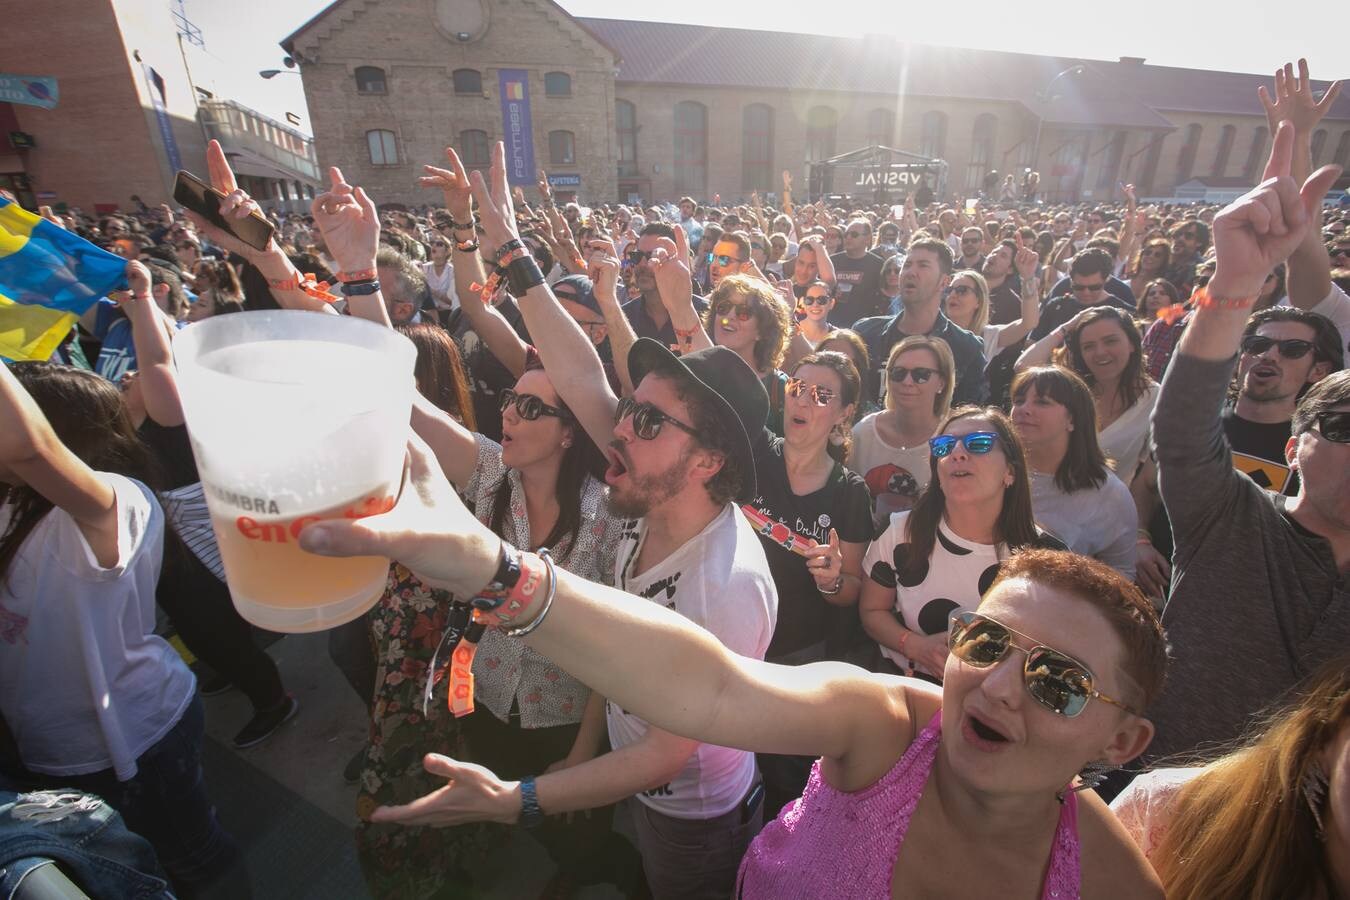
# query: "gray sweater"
x,y
1257,602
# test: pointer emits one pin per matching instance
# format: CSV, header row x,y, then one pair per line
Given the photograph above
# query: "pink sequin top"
x,y
835,844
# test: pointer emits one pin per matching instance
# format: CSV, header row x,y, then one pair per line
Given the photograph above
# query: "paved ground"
x,y
287,805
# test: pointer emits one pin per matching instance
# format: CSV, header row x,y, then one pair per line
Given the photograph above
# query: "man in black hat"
x,y
680,460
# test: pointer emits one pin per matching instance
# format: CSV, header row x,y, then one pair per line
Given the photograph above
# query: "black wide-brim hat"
x,y
736,394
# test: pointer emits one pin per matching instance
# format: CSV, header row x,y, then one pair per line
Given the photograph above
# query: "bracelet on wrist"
x,y
903,637
505,251
838,586
357,275
470,246
464,226
538,620
1203,299
360,288
522,274
531,816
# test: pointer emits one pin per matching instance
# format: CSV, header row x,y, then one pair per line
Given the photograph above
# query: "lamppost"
x,y
1045,95
273,73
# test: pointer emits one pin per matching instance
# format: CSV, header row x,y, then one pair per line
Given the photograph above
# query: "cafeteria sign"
x,y
29,90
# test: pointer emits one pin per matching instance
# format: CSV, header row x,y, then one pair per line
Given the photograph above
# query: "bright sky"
x,y
243,36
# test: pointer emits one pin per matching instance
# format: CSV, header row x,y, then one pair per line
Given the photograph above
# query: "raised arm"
x,y
1025,262
650,660
501,339
604,274
350,225
31,454
567,353
674,284
1309,277
1130,228
151,333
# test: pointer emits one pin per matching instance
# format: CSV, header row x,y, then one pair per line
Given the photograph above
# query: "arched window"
x,y
822,123
562,148
383,150
691,148
473,149
625,123
467,81
557,84
1226,138
1319,143
370,80
1342,157
982,138
880,127
757,147
1256,155
933,142
1186,160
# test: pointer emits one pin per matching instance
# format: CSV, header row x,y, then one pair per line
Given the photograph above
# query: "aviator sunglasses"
x,y
1255,345
1055,680
976,442
647,419
529,407
821,396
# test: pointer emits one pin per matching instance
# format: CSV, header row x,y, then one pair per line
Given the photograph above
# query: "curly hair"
x,y
771,314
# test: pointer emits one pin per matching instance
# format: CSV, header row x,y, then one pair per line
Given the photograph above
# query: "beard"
x,y
644,493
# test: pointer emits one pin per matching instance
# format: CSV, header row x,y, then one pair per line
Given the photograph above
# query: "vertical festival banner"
x,y
156,85
514,86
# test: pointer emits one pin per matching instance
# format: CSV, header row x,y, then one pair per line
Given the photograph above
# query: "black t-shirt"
x,y
173,451
842,504
1005,303
859,291
1258,450
488,377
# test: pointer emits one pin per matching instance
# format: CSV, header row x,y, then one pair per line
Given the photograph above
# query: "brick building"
x,y
622,108
128,114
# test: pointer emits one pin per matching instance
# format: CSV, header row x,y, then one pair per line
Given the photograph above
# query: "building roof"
x,y
1120,92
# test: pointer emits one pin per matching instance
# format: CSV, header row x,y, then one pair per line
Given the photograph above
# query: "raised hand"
x,y
671,272
349,222
453,185
1131,200
494,200
1259,230
1293,101
603,268
545,189
237,205
1025,259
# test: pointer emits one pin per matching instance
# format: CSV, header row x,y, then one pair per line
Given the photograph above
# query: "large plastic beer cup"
x,y
295,417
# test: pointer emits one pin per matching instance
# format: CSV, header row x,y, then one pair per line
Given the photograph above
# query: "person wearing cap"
x,y
680,460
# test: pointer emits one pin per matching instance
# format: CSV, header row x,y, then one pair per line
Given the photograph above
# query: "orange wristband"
x,y
1203,299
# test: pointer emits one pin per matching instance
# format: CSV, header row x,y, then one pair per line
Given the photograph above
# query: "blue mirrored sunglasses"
x,y
977,442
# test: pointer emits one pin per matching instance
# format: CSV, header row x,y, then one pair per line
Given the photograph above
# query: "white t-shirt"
x,y
442,286
957,574
85,684
720,581
1124,440
895,476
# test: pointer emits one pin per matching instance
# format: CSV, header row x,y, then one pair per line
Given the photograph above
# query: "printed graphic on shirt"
x,y
1267,474
894,489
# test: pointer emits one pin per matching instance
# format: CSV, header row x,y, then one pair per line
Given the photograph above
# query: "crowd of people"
x,y
774,494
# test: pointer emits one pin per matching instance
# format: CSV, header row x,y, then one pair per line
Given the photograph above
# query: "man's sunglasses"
x,y
816,300
919,375
1334,426
741,311
529,407
1055,680
647,419
637,257
1086,288
723,260
977,442
821,396
1255,345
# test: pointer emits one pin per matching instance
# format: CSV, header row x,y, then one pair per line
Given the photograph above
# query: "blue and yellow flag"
x,y
48,278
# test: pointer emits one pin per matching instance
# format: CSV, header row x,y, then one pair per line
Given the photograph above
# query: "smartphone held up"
x,y
199,197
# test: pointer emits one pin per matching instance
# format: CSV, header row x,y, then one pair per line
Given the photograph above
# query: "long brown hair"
x,y
439,372
1084,465
1015,526
1132,270
771,313
1134,380
850,390
1243,828
89,417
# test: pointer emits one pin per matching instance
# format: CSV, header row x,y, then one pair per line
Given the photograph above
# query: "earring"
x,y
1314,787
566,443
1092,775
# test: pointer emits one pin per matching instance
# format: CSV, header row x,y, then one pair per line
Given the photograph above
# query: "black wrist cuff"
x,y
523,274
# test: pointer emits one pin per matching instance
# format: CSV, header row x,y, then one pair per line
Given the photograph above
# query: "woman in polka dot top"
x,y
940,557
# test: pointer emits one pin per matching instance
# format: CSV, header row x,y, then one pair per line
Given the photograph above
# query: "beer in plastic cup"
x,y
295,417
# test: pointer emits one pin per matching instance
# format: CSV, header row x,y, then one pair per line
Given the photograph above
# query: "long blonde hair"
x,y
1242,828
981,316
